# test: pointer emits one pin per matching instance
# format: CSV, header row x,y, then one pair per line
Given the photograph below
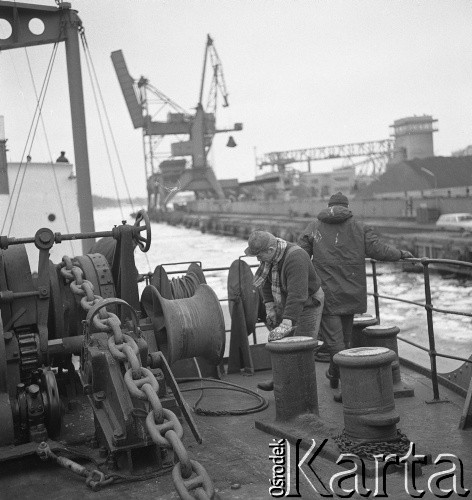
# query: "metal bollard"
x,y
367,392
359,323
386,336
294,373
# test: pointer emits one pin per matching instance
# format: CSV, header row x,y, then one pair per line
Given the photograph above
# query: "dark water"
x,y
453,333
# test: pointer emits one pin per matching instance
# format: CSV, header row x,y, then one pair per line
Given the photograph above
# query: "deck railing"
x,y
427,305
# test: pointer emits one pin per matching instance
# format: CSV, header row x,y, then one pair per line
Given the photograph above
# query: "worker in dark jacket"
x,y
291,288
339,244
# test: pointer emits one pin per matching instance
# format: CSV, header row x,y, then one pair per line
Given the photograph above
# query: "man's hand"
x,y
283,330
405,254
271,314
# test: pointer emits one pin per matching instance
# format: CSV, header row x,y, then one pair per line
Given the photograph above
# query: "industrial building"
x,y
426,177
403,166
414,171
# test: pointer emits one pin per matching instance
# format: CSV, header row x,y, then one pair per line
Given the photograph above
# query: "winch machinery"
x,y
79,327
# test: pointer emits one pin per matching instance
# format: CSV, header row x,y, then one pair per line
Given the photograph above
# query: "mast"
x,y
77,109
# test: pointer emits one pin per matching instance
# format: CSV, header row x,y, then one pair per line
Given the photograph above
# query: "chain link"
x,y
162,424
367,449
88,304
117,349
108,322
170,423
200,482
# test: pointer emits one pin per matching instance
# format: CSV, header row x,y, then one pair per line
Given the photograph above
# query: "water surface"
x,y
453,333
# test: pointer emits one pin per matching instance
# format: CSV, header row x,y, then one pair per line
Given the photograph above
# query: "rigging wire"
x,y
86,47
94,84
21,92
56,182
36,118
29,141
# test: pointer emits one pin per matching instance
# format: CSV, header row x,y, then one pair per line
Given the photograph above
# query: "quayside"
x,y
423,240
239,430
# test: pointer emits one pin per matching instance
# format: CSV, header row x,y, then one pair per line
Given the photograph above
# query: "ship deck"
x,y
236,454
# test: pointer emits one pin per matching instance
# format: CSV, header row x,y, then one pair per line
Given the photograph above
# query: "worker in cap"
x,y
339,200
291,288
62,158
338,244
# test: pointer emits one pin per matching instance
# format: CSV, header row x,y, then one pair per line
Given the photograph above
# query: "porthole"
x,y
36,26
5,29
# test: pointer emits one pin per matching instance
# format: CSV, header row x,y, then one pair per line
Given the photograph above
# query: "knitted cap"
x,y
259,241
338,199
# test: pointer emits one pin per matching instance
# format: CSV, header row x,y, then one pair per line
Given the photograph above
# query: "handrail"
x,y
425,349
428,306
433,354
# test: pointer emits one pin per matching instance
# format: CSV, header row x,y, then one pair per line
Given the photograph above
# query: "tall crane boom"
x,y
200,127
218,80
128,89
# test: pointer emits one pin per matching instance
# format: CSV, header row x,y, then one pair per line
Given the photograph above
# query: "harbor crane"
x,y
172,175
375,151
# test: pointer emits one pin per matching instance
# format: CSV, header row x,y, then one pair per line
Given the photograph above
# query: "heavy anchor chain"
x,y
162,424
367,450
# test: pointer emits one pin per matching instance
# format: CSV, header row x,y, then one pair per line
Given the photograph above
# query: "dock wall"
x,y
391,208
398,223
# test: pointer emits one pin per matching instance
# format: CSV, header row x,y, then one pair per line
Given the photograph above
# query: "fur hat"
x,y
338,199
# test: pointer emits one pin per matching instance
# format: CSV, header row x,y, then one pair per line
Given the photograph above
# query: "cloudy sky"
x,y
300,73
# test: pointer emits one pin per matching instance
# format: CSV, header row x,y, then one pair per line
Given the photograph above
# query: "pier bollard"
x,y
367,393
294,373
359,323
386,336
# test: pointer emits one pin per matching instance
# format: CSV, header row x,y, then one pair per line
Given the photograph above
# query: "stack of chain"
x,y
363,449
162,424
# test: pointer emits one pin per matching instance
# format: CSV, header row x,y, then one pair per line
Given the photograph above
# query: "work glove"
x,y
271,315
405,254
283,330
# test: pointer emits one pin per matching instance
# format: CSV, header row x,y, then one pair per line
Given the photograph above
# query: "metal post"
x,y
369,414
376,294
294,372
84,191
429,316
4,189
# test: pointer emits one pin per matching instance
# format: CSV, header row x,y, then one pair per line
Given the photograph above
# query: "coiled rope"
x,y
262,405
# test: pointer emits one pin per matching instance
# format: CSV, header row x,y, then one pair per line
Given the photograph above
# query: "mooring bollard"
x,y
293,369
367,393
359,323
386,336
